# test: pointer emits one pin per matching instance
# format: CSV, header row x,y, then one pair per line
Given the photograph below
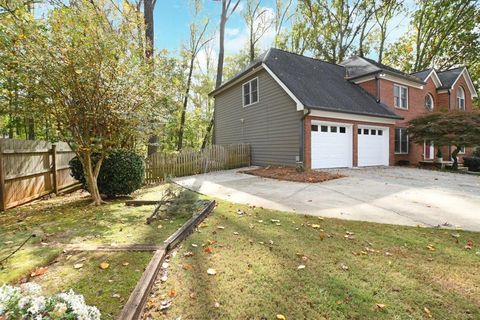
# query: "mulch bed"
x,y
291,174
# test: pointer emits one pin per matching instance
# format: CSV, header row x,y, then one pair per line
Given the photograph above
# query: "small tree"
x,y
87,61
459,129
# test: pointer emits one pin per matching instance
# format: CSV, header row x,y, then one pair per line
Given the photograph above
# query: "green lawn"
x,y
72,220
353,270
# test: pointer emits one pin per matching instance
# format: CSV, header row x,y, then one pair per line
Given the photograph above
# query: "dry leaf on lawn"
x,y
300,267
125,264
104,265
427,312
281,317
78,265
39,271
172,293
211,271
208,250
187,266
380,306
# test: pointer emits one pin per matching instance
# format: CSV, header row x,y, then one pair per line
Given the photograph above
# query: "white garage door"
x,y
373,146
331,145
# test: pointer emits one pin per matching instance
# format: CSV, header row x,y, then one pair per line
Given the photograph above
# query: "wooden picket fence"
x,y
185,163
32,169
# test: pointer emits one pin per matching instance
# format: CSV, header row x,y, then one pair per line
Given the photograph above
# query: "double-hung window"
x,y
460,98
250,92
400,95
401,140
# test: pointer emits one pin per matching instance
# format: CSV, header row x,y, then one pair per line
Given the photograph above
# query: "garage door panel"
x,y
373,146
331,145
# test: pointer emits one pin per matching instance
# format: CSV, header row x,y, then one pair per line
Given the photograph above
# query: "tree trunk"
x,y
185,102
149,34
91,175
218,80
455,158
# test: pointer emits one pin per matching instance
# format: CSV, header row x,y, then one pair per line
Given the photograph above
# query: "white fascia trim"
x,y
300,105
401,81
435,78
363,79
249,74
351,117
469,82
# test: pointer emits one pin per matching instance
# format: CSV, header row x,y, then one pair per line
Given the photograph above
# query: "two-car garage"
x,y
332,145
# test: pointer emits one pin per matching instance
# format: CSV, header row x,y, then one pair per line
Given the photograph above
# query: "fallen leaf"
x,y
194,245
39,271
172,293
104,265
211,271
281,317
208,250
469,245
164,279
380,306
427,312
220,227
78,265
125,264
165,305
159,226
300,267
115,295
187,266
431,247
217,304
68,257
165,265
188,254
344,267
322,236
315,226
235,233
192,295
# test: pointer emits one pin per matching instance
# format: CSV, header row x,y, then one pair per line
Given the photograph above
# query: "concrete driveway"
x,y
394,195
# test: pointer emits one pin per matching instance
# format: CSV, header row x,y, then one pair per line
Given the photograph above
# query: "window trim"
x,y
429,95
400,93
249,82
400,142
462,90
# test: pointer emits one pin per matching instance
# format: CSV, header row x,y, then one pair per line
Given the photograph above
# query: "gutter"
x,y
302,137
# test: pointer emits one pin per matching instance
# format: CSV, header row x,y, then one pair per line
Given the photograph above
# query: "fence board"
x,y
28,170
189,162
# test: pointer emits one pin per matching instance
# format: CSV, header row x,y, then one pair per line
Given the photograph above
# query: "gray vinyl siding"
x,y
271,126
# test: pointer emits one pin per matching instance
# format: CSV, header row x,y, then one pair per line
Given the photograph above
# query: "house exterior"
x,y
293,109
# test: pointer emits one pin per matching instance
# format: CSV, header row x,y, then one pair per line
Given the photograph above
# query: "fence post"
x,y
54,168
3,205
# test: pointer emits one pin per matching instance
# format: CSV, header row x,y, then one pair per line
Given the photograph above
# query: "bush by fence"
x,y
189,162
32,169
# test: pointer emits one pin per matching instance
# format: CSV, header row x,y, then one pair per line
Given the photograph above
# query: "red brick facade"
x,y
416,107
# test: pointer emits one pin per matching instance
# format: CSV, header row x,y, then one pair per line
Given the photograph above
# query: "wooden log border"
x,y
134,306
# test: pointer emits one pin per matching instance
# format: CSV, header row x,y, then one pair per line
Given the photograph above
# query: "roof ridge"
x,y
307,57
460,67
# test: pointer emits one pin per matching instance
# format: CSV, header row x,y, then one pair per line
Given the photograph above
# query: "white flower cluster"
x,y
26,302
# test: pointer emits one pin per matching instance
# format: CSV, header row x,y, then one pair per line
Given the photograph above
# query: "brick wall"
x,y
416,107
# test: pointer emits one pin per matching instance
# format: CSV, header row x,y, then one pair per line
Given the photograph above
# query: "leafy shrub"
x,y
473,163
476,152
122,173
27,302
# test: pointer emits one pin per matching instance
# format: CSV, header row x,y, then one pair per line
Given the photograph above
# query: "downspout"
x,y
302,137
377,88
449,108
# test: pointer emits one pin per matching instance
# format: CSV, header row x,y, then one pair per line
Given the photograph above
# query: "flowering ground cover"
x,y
104,278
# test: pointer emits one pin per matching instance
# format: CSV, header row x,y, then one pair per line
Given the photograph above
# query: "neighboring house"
x,y
293,109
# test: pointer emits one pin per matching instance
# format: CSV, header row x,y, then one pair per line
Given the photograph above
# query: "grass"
x,y
378,272
72,220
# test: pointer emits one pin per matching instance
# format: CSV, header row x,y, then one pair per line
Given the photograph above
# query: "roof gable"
x,y
450,77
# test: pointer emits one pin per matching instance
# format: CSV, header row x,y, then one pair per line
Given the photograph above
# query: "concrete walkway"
x,y
393,195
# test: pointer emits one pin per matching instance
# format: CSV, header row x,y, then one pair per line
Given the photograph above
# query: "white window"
x,y
462,150
429,102
400,94
401,141
250,92
460,98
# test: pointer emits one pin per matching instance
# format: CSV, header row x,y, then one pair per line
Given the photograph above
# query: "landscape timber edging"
x,y
134,306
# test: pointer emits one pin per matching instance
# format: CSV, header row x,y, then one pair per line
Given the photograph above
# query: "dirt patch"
x,y
292,174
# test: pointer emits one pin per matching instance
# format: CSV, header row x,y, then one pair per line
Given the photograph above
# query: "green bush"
x,y
473,163
122,173
476,152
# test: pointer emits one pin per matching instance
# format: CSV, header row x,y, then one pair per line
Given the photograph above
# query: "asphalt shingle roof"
x,y
318,84
449,77
422,75
321,85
